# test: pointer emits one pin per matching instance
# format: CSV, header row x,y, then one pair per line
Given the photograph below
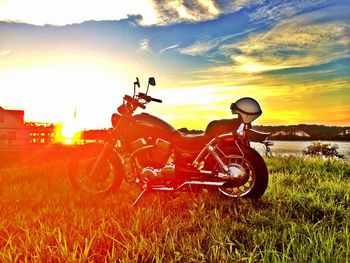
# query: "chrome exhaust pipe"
x,y
200,183
166,188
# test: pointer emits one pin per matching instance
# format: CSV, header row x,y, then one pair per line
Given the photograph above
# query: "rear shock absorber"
x,y
217,157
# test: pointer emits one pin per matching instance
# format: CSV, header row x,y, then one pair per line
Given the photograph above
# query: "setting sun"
x,y
58,91
67,132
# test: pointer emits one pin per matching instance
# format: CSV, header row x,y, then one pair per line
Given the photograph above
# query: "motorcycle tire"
x,y
108,174
252,164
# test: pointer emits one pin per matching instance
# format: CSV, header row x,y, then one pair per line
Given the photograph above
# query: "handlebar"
x,y
156,100
148,98
134,102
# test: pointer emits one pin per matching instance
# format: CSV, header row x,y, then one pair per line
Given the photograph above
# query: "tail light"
x,y
228,139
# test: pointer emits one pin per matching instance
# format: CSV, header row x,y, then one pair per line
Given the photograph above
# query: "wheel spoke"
x,y
245,188
100,181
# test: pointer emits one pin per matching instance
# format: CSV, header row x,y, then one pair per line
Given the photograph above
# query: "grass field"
x,y
303,217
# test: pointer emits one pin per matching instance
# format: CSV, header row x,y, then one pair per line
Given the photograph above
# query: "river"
x,y
296,147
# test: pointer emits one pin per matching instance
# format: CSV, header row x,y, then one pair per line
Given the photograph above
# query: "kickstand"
x,y
139,197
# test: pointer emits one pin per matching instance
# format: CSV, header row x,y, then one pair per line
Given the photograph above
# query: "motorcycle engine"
x,y
152,158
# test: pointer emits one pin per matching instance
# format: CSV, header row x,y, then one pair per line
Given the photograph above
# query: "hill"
x,y
307,132
299,132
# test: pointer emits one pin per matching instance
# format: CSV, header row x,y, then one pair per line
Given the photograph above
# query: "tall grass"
x,y
303,217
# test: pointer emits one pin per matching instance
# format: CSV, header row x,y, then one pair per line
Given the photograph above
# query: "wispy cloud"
x,y
168,48
5,52
202,47
295,42
177,11
170,12
144,45
277,10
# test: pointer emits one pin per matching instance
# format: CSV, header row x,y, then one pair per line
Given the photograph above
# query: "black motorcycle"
x,y
146,151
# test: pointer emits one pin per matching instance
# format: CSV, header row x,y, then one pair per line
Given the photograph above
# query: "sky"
x,y
58,58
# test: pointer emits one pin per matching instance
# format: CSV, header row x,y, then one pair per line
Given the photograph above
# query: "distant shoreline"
x,y
300,132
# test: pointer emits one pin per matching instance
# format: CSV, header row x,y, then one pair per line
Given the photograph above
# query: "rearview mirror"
x,y
152,81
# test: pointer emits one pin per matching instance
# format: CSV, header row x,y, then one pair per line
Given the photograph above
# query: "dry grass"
x,y
303,217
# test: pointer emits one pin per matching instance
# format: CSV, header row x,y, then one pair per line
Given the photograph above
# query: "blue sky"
x,y
292,56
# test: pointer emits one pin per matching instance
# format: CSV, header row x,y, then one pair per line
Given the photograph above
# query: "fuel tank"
x,y
147,125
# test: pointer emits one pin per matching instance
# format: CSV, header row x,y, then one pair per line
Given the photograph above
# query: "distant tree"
x,y
323,149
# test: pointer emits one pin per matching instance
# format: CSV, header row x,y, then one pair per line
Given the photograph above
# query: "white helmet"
x,y
248,108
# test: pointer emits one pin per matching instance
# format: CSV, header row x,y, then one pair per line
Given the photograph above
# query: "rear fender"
x,y
222,142
257,136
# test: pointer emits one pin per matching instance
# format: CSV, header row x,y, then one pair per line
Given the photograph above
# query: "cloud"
x,y
144,45
178,11
170,12
294,42
5,52
168,48
62,12
277,10
152,12
202,47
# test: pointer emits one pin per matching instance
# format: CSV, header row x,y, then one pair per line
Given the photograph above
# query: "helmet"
x,y
247,108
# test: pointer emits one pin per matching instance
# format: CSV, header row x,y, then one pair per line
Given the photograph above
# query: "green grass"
x,y
304,216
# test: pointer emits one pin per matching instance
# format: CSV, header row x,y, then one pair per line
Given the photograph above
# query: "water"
x,y
296,147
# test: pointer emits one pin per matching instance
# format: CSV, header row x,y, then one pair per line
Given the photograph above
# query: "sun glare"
x,y
67,133
51,93
64,11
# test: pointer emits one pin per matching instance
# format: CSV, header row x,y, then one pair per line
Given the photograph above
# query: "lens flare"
x,y
67,133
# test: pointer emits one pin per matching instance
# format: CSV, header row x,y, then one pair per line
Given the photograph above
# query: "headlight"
x,y
115,119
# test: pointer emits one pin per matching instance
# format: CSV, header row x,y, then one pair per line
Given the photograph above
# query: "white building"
x,y
12,130
301,134
298,133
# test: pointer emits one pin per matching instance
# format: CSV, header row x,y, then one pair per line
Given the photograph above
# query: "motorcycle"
x,y
144,150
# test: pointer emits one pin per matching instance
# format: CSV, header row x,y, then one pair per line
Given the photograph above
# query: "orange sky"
x,y
291,57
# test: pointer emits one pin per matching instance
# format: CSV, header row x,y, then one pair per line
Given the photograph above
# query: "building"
x,y
13,132
296,133
345,132
40,132
301,133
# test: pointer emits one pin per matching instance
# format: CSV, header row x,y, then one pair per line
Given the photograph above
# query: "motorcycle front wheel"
x,y
95,174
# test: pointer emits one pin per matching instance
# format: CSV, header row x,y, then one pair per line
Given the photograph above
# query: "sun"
x,y
69,93
68,132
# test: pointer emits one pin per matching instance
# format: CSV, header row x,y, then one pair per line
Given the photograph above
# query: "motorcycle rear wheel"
x,y
254,167
106,178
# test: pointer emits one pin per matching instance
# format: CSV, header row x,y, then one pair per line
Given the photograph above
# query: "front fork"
x,y
99,158
107,149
